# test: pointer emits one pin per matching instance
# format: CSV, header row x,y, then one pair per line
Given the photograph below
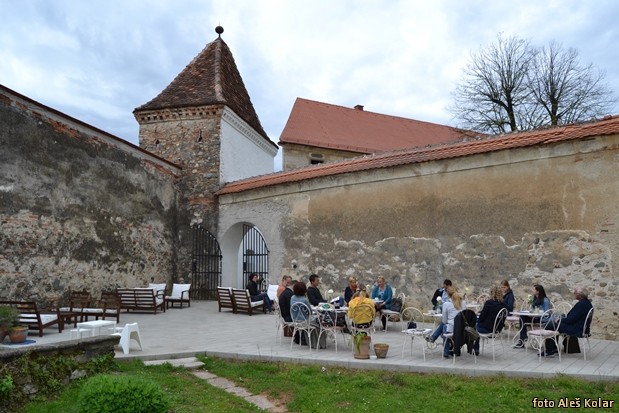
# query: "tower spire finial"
x,y
219,30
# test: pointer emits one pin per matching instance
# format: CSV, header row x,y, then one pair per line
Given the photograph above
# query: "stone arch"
x,y
244,250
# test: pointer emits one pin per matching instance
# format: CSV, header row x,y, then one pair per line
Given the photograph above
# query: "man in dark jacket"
x,y
573,323
284,304
313,293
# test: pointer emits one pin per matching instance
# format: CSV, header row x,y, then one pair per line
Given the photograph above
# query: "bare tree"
x,y
494,86
566,91
511,85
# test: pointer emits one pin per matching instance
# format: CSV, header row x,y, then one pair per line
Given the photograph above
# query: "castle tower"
x,y
204,121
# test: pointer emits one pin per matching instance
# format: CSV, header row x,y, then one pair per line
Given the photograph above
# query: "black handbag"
x,y
571,345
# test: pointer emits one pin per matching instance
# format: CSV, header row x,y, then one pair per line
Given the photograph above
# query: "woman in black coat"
x,y
492,306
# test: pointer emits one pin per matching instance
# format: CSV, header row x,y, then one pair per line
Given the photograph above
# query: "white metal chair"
x,y
499,322
127,333
328,324
562,307
361,312
586,333
302,323
280,323
537,337
391,315
415,315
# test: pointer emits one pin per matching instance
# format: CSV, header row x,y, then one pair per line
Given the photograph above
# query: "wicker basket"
x,y
380,349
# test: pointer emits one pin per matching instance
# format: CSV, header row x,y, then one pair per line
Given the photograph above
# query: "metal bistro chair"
x,y
537,337
415,315
328,324
391,315
499,322
280,323
302,323
368,327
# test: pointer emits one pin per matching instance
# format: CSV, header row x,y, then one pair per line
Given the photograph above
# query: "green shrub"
x,y
6,387
120,394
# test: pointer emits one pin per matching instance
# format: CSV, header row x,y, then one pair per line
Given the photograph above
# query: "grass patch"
x,y
316,389
311,388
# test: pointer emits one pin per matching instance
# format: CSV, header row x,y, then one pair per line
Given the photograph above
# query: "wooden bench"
x,y
34,318
243,302
143,300
225,298
79,307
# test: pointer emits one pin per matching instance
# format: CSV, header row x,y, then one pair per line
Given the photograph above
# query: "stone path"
x,y
193,363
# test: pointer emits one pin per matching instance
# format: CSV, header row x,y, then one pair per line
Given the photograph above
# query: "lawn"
x,y
303,388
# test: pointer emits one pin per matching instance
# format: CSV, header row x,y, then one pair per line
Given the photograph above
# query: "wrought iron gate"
x,y
205,265
255,255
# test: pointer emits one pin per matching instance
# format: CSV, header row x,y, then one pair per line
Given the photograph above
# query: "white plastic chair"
x,y
127,333
537,337
499,320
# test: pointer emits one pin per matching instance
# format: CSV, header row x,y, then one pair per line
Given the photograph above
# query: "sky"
x,y
98,60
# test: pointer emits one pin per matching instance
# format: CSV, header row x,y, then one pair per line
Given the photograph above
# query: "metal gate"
x,y
255,255
205,265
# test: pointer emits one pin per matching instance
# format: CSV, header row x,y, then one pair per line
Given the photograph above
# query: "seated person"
x,y
284,304
255,294
541,302
382,291
313,293
485,321
300,289
508,296
441,292
286,281
451,308
350,289
364,315
573,323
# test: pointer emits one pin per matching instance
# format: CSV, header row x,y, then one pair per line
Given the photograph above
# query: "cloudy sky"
x,y
98,60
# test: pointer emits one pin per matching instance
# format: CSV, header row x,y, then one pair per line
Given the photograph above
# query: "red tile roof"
x,y
606,126
211,78
336,127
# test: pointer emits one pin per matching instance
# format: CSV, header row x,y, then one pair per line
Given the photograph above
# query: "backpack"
x,y
396,305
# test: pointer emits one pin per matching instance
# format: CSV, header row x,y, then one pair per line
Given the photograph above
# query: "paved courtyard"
x,y
201,329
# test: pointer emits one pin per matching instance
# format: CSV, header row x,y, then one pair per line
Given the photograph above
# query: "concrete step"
x,y
189,362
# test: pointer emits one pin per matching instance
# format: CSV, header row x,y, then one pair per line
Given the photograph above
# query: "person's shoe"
x,y
477,353
519,344
550,354
446,357
429,339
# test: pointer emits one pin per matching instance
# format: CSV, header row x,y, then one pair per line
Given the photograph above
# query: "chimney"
x,y
359,107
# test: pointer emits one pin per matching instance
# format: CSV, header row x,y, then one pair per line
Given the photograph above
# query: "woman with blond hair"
x,y
350,289
451,308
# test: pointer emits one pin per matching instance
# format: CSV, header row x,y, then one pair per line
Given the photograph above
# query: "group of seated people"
x,y
290,292
500,297
451,303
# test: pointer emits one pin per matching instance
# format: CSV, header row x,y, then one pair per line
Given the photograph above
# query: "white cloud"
x,y
98,61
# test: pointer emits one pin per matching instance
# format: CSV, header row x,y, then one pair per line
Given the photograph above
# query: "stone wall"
x,y
543,215
79,208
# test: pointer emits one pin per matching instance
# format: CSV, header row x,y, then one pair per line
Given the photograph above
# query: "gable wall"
x,y
296,156
544,215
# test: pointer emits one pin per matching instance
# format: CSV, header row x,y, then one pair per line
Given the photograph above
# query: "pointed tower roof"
x,y
211,78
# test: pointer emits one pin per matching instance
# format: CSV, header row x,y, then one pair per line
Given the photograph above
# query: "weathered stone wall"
x,y
544,215
189,137
79,209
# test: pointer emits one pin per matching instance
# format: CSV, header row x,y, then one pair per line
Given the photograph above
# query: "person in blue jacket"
x,y
382,291
573,323
539,301
508,296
